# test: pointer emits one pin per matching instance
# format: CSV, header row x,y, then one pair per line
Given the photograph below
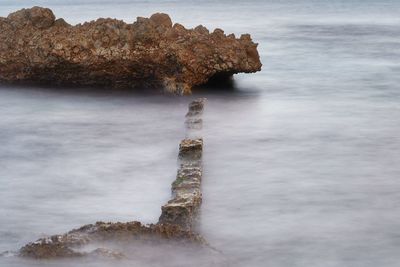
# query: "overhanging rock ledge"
x,y
151,52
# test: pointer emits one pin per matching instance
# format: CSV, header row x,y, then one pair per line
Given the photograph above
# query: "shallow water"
x,y
301,159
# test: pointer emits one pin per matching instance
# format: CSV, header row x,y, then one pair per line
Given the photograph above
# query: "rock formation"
x,y
187,198
176,223
151,52
72,244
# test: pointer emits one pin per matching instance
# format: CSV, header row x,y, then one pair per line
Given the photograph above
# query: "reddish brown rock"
x,y
152,52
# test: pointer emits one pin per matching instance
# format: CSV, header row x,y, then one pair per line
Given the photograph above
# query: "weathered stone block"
x,y
191,149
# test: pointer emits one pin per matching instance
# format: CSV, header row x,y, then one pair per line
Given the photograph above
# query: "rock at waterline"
x,y
152,52
183,208
176,222
71,244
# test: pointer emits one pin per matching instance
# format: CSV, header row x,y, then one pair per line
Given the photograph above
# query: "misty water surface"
x,y
301,160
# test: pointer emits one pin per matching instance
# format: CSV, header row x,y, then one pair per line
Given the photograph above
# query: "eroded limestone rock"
x,y
152,52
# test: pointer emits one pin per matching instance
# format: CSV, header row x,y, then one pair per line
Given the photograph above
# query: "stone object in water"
x,y
193,120
151,52
72,243
176,223
190,150
196,108
184,207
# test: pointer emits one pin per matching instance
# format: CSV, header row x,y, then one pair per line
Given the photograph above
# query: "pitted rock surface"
x,y
151,52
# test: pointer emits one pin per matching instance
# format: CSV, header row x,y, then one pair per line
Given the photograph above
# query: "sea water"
x,y
301,159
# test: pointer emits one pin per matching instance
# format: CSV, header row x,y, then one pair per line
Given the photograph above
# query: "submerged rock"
x,y
196,108
152,52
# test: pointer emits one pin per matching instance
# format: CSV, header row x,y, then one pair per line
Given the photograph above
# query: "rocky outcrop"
x,y
176,223
151,52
